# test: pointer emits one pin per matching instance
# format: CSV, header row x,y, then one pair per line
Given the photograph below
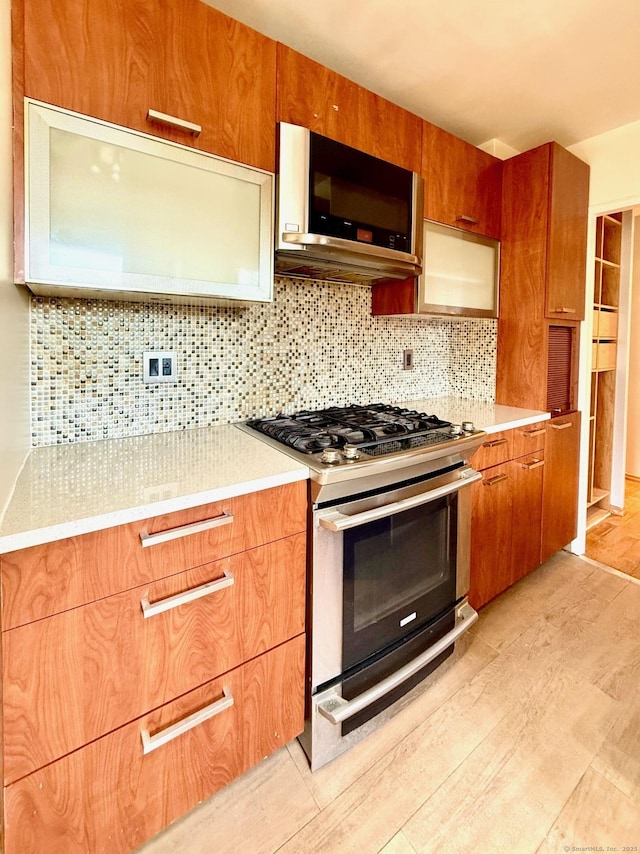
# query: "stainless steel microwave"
x,y
343,214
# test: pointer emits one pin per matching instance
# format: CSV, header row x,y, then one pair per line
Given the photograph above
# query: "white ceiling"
x,y
521,71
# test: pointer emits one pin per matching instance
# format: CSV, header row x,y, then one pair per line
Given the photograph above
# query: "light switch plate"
x,y
160,366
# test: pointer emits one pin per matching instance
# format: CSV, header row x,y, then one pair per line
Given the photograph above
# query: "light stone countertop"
x,y
491,417
64,490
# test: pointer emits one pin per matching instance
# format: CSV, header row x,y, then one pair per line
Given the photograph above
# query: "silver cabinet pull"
x,y
151,609
468,219
185,530
334,520
531,433
498,478
562,310
534,464
494,443
564,426
336,709
173,122
164,736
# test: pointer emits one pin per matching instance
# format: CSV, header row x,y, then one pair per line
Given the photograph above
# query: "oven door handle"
x,y
334,520
336,709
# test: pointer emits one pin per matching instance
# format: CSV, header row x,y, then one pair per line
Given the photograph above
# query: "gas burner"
x,y
360,427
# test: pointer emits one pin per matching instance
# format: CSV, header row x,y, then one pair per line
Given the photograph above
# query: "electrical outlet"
x,y
160,366
160,492
407,360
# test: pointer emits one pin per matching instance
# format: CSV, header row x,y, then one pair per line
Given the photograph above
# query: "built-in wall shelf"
x,y
595,515
597,495
604,355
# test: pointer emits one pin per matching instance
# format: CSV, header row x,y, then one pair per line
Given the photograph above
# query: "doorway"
x,y
614,538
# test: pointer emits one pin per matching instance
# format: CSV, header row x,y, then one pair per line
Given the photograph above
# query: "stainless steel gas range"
x,y
390,513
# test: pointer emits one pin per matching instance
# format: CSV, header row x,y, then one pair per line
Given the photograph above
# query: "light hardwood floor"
x,y
526,740
616,540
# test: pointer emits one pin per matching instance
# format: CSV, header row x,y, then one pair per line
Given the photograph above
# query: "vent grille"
x,y
559,371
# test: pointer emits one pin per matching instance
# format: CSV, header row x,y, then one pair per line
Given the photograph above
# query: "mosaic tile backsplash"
x,y
315,345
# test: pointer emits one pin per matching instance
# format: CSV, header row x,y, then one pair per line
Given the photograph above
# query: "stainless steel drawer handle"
x,y
564,426
494,443
498,478
563,310
151,609
164,736
337,710
530,434
468,219
185,530
534,464
173,122
334,520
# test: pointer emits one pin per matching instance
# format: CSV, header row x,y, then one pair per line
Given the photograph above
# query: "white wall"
x,y
614,158
14,301
633,412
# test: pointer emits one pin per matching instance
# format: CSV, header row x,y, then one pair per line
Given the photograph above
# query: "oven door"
x,y
390,573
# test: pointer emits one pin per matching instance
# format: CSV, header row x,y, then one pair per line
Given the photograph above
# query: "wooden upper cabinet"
x,y
118,60
313,96
567,237
543,257
463,184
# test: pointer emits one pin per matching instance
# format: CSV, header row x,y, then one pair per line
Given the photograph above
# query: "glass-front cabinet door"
x,y
118,214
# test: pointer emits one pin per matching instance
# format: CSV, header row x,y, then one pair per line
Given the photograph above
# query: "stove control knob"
x,y
455,430
468,427
331,455
350,452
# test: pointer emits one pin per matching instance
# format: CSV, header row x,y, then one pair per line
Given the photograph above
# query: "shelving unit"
x,y
606,302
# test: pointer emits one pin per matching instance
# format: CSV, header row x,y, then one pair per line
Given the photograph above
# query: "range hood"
x,y
344,215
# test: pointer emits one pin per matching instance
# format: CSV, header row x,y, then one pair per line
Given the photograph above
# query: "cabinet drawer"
x,y
494,450
44,580
606,354
73,677
526,440
110,796
605,323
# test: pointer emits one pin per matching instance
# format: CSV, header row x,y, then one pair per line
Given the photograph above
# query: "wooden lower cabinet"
x,y
492,502
560,497
506,511
44,580
107,659
199,644
526,514
110,796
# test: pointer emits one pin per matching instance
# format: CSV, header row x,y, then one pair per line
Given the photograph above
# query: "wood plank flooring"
x,y
616,541
526,740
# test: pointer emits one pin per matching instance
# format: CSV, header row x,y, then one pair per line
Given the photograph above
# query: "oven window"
x,y
399,573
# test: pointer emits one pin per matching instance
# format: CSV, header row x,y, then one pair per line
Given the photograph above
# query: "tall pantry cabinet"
x,y
544,243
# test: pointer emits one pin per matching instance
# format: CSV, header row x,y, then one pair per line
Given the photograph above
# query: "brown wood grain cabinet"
x,y
43,580
315,97
542,290
542,299
172,666
463,184
506,510
110,796
117,60
559,519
